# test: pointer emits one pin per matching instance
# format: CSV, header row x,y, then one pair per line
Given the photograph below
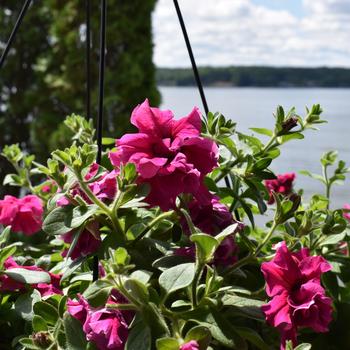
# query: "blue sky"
x,y
294,6
255,32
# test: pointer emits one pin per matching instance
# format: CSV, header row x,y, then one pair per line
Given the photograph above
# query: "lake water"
x,y
253,107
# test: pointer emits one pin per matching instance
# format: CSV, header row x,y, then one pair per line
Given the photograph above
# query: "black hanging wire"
x,y
101,79
100,102
88,46
193,61
194,67
14,32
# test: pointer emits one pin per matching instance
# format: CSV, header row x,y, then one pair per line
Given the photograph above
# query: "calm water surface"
x,y
253,107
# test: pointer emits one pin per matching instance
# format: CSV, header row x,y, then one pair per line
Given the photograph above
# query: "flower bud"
x,y
42,339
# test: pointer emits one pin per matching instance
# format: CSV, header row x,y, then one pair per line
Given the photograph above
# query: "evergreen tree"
x,y
44,76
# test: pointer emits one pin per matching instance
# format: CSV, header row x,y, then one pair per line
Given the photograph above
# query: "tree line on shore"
x,y
257,76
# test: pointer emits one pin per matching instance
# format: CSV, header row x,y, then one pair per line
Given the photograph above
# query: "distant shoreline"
x,y
257,76
256,87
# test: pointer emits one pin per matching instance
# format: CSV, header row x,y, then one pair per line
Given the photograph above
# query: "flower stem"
x,y
268,145
100,204
251,257
197,276
121,306
151,224
266,239
242,262
328,186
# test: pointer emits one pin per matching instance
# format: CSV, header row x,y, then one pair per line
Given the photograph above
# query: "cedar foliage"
x,y
43,79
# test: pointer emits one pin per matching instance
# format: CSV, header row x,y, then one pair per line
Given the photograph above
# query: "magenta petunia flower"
x,y
104,188
211,217
347,214
106,328
209,214
23,214
227,252
283,185
78,308
170,155
45,289
191,345
293,281
87,243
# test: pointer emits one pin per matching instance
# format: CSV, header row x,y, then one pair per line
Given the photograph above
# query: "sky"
x,y
308,33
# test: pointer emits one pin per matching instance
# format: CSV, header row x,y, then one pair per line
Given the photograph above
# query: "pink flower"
x,y
78,309
208,214
45,289
23,214
170,155
86,244
211,217
106,328
347,214
343,248
191,345
106,185
293,280
227,252
283,184
104,188
52,288
189,252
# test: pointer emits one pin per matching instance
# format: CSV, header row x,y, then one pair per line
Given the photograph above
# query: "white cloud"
x,y
232,32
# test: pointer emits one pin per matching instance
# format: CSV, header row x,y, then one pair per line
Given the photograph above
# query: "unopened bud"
x,y
42,339
289,124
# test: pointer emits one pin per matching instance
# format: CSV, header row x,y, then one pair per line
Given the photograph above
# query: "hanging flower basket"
x,y
182,263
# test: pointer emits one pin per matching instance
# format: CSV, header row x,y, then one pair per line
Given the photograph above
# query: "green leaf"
x,y
39,324
253,337
222,330
228,231
314,176
63,219
291,136
155,320
167,344
304,346
98,292
106,141
81,214
246,306
29,344
130,171
62,305
137,289
329,158
139,337
5,234
73,266
28,276
76,339
13,180
46,311
24,304
141,275
201,334
262,131
205,245
5,253
262,164
333,239
121,256
177,277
